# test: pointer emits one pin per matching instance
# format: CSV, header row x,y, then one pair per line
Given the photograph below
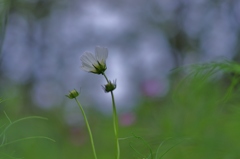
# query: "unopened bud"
x,y
110,86
72,94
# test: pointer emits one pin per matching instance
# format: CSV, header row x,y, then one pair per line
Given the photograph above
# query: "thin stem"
x,y
115,125
19,120
105,77
115,120
27,138
88,127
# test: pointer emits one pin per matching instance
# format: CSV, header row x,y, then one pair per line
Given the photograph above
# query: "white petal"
x,y
87,65
88,69
89,58
86,62
101,54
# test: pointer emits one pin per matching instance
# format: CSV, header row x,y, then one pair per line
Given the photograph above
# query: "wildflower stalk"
x,y
115,119
97,64
88,127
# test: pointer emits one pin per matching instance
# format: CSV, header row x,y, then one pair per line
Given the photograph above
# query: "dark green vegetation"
x,y
199,118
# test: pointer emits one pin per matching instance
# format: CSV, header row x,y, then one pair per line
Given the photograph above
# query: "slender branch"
x,y
19,120
115,120
88,127
105,77
27,138
115,124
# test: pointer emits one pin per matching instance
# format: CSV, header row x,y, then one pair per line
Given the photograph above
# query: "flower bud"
x,y
72,94
110,86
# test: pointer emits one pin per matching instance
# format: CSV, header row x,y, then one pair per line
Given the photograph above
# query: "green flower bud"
x,y
72,94
110,86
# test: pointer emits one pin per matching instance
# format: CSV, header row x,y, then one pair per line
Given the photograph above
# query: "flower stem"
x,y
88,127
105,77
115,124
115,120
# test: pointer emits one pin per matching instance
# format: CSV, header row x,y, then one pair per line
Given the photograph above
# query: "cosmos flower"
x,y
95,63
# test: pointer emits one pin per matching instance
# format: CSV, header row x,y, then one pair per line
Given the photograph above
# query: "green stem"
x,y
88,127
115,125
105,77
115,120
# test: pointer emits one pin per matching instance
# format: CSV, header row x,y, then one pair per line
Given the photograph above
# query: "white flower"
x,y
95,63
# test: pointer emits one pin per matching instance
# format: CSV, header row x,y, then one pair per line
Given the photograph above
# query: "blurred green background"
x,y
176,89
199,118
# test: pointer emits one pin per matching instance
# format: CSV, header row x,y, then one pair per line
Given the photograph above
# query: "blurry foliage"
x,y
36,9
41,43
199,118
201,109
19,134
4,10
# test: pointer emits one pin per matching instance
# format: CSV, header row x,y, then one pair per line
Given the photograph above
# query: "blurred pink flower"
x,y
77,136
127,119
153,88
